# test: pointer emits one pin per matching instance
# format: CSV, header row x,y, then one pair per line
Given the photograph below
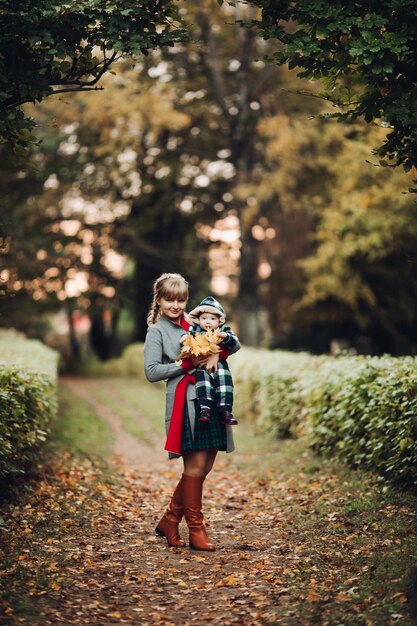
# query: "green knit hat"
x,y
208,305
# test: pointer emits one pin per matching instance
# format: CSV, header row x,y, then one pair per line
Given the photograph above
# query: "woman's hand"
x,y
208,362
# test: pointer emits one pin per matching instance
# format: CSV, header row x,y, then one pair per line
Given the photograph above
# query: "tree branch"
x,y
81,88
79,85
210,60
88,83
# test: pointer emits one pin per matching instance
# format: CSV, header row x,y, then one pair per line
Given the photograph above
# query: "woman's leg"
x,y
197,464
210,458
168,524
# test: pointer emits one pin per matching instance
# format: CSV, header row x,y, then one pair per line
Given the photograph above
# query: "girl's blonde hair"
x,y
167,286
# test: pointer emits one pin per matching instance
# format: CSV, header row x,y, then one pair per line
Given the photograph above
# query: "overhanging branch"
x,y
71,89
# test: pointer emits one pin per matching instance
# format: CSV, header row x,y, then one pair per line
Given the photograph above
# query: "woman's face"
x,y
173,308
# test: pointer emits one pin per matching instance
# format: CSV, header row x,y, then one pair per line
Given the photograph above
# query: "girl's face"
x,y
173,308
209,321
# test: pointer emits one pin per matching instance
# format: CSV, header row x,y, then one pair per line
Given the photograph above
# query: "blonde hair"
x,y
166,286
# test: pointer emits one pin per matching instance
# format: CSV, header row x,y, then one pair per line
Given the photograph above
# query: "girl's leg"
x,y
205,394
224,393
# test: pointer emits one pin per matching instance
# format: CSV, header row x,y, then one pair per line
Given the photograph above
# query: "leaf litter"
x,y
78,547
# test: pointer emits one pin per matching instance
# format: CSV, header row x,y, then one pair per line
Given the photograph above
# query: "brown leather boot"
x,y
168,525
192,490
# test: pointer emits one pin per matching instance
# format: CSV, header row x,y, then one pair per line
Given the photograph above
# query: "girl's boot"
x,y
226,416
192,490
168,525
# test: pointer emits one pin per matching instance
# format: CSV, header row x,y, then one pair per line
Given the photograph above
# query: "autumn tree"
x,y
105,174
361,282
239,89
174,141
170,137
197,111
49,47
50,262
365,56
199,159
344,266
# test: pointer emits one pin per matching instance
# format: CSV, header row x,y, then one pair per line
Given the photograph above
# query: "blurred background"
x,y
202,159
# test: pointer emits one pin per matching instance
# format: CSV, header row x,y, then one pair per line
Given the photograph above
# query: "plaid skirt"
x,y
206,435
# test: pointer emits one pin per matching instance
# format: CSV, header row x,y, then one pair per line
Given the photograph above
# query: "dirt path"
x,y
129,451
288,553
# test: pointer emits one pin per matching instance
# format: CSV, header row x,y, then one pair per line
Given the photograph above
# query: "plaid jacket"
x,y
229,343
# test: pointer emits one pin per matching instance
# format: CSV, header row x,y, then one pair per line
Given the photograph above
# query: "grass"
x,y
327,499
78,428
140,405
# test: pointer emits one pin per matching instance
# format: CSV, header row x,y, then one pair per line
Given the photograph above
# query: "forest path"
x,y
130,451
295,546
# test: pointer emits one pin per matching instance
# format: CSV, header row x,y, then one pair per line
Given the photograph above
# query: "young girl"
x,y
197,444
213,388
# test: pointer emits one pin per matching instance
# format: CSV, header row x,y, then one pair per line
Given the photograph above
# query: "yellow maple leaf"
x,y
201,344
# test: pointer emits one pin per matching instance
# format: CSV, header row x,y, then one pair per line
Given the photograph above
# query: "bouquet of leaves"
x,y
200,344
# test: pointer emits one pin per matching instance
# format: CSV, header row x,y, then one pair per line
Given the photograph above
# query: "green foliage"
x,y
50,46
344,254
268,391
360,409
360,278
27,401
129,364
364,410
366,56
201,135
158,156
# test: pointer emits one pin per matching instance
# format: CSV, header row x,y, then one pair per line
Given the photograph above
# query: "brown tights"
x,y
199,462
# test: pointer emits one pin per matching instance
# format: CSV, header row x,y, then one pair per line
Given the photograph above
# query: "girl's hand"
x,y
212,363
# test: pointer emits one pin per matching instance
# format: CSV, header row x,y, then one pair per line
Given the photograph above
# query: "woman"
x,y
197,443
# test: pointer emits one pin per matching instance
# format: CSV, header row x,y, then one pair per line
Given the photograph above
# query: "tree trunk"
x,y
242,131
248,302
73,341
142,293
103,331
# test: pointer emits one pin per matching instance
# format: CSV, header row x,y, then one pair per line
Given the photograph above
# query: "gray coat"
x,y
162,346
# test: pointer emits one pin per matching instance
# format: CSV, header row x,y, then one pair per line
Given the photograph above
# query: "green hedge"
x,y
361,409
28,385
129,364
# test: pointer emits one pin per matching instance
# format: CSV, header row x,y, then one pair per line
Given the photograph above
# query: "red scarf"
x,y
174,438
